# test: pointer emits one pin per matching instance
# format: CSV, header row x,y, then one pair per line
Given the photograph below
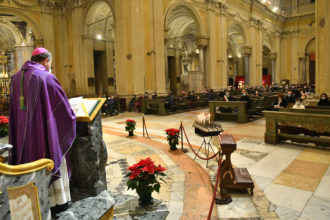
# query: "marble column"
x,y
246,53
307,67
212,49
273,61
294,57
322,26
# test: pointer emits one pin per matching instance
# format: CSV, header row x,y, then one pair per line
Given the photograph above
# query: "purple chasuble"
x,y
47,126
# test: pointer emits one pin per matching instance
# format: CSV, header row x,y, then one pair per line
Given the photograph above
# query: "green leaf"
x,y
162,180
157,187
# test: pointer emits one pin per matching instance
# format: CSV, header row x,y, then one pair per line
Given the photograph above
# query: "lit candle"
x,y
209,115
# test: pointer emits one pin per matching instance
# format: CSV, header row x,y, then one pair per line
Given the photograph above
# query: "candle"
x,y
209,116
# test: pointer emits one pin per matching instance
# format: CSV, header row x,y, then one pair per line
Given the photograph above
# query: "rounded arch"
x,y
267,41
92,6
14,31
310,46
193,13
237,28
18,13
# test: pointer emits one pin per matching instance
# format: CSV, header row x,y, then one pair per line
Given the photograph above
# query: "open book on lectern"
x,y
86,108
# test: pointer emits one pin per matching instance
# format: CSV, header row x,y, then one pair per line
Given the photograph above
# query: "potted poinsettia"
x,y
173,137
3,126
143,178
130,127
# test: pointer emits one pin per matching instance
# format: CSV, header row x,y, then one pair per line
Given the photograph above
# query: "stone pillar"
x,y
212,49
255,64
159,56
322,25
301,78
307,67
223,46
246,54
202,43
294,57
273,60
47,28
277,78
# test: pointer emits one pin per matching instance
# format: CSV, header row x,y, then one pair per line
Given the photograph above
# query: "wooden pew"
x,y
317,107
157,106
297,127
310,111
241,115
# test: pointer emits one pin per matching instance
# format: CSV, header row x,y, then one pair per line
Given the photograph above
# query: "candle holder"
x,y
208,129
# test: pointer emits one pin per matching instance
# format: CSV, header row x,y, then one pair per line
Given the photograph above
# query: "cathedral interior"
x,y
127,48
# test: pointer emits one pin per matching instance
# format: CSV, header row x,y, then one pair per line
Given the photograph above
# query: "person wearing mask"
x,y
298,105
132,103
154,95
323,100
227,96
289,99
169,101
280,102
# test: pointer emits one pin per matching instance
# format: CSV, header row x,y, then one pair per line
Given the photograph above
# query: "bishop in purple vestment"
x,y
42,123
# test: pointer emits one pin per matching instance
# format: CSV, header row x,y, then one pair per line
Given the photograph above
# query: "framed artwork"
x,y
24,202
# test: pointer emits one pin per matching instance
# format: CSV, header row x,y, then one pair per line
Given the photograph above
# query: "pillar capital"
x,y
273,56
202,41
247,50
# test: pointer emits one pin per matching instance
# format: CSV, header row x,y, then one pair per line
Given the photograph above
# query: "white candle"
x,y
209,115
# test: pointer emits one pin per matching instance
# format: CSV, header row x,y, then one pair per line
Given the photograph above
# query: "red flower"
x,y
149,168
130,121
160,168
3,120
134,174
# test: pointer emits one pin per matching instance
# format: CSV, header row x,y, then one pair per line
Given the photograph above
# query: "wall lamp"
x,y
151,52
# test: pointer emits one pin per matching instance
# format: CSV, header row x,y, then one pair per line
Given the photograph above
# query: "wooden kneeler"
x,y
233,178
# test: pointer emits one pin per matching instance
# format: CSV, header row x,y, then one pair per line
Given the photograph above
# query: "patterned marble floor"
x,y
292,181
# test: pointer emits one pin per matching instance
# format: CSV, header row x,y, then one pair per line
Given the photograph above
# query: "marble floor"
x,y
291,181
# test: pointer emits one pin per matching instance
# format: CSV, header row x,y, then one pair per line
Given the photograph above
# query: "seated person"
x,y
189,98
210,95
132,103
280,102
154,95
304,99
146,95
227,98
289,99
244,96
324,100
169,101
298,104
139,102
257,93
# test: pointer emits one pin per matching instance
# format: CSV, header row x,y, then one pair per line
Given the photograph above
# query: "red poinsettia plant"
x,y
3,126
130,126
173,137
143,177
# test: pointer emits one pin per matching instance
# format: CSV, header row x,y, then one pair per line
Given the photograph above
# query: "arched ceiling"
x,y
236,35
7,40
13,31
236,39
181,21
100,20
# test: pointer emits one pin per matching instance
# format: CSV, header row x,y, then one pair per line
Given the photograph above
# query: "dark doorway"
x,y
172,73
100,73
312,72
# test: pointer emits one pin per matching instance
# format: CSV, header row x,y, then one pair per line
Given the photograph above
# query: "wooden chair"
x,y
24,190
